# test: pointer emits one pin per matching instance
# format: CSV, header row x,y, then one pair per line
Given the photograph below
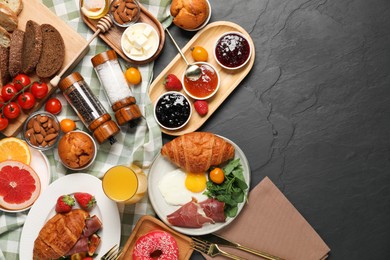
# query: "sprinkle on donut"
x,y
156,245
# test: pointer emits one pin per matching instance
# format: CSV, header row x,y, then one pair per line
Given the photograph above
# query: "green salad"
x,y
232,190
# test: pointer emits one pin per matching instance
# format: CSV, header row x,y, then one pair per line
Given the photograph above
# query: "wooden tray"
x,y
148,223
36,11
113,36
230,79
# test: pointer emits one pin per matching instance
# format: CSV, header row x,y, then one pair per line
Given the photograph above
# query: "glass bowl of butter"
x,y
140,41
94,9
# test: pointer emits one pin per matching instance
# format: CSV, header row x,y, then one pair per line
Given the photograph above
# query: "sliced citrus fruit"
x,y
20,186
12,148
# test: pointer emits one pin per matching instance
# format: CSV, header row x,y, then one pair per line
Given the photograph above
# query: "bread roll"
x,y
198,151
8,18
59,234
15,5
189,14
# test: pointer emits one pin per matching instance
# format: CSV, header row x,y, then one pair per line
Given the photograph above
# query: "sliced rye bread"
x,y
4,75
8,18
53,52
5,37
32,47
15,53
14,5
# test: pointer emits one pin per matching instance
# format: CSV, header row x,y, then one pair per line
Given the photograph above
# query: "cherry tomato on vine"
x,y
133,76
11,110
26,100
8,91
199,53
3,123
20,81
54,106
39,89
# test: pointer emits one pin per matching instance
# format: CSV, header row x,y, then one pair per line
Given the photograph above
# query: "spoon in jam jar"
x,y
193,72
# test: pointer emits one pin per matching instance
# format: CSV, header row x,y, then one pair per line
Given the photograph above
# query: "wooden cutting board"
x,y
36,11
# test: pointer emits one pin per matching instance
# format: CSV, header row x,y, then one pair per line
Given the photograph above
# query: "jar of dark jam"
x,y
172,110
232,50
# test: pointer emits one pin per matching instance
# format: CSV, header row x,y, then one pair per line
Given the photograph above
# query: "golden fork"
x,y
211,249
113,254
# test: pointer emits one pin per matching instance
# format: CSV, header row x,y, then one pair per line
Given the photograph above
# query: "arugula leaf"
x,y
232,190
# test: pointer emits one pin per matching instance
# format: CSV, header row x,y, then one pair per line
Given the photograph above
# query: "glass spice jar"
x,y
111,76
88,108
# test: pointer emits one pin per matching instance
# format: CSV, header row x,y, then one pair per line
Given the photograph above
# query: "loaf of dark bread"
x,y
53,52
4,75
15,53
32,47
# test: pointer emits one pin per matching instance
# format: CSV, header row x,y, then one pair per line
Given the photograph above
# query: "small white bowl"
x,y
242,64
200,63
168,113
204,23
140,41
93,157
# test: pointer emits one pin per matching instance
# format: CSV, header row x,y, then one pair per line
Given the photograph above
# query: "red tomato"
x,y
20,81
11,110
53,106
1,102
3,123
39,89
8,91
26,100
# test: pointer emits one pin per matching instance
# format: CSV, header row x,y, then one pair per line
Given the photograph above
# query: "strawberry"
x,y
85,200
64,204
172,83
201,107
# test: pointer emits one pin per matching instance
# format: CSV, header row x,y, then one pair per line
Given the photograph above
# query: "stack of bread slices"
x,y
38,49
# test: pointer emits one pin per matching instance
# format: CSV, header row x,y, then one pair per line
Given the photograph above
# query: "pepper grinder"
x,y
88,108
116,88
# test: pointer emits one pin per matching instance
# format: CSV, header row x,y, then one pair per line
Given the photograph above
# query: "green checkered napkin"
x,y
141,143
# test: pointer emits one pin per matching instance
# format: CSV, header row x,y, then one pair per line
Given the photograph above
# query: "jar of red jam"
x,y
204,87
232,50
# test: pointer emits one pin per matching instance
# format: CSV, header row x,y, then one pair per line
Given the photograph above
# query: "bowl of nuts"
x,y
41,130
124,12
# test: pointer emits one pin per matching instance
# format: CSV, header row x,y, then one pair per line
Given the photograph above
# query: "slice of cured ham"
x,y
195,215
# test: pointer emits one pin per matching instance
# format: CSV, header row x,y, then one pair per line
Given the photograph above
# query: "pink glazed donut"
x,y
156,245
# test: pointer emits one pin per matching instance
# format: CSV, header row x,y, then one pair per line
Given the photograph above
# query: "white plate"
x,y
44,209
41,166
160,166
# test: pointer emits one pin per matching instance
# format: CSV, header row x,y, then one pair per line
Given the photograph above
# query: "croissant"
x,y
198,151
59,234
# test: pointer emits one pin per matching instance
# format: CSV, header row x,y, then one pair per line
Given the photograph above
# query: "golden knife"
x,y
216,239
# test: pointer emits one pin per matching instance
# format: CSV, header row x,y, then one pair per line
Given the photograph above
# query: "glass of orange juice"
x,y
124,184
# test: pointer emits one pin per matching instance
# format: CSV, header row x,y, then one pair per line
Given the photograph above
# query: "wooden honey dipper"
x,y
103,25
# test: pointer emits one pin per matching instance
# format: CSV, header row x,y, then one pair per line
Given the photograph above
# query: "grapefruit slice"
x,y
20,186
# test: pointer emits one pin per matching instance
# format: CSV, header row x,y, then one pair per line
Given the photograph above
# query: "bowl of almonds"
x,y
41,130
125,12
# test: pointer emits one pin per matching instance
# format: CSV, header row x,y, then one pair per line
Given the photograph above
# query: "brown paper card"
x,y
270,223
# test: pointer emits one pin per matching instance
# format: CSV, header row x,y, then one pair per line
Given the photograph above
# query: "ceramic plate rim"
x,y
157,204
46,174
40,212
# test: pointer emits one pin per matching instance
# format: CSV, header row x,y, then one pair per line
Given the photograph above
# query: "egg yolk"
x,y
196,182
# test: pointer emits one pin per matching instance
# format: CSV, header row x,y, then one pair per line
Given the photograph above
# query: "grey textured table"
x,y
313,113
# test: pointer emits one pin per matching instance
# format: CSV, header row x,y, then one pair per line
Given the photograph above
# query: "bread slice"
x,y
4,75
5,37
32,47
15,53
53,52
8,18
14,5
